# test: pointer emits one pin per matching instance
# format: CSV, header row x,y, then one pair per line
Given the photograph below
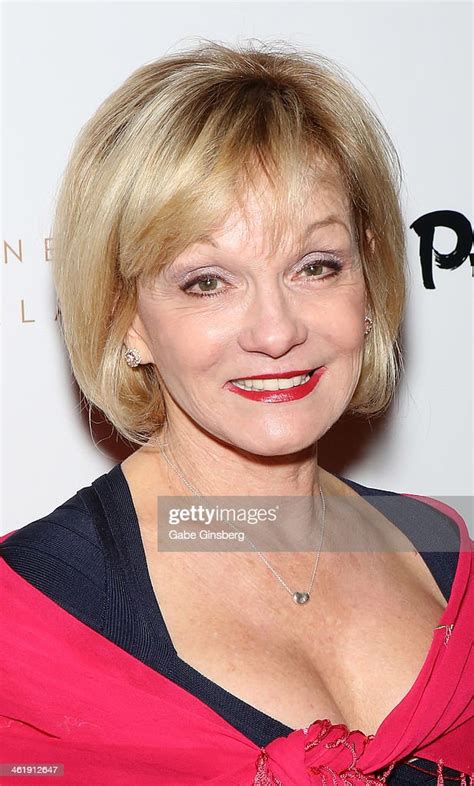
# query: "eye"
x,y
208,285
206,280
319,264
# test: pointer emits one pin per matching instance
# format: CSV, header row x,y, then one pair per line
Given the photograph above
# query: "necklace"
x,y
299,597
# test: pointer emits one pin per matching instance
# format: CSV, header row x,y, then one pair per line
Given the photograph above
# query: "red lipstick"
x,y
280,396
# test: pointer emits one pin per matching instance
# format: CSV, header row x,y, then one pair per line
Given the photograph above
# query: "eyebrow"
x,y
328,221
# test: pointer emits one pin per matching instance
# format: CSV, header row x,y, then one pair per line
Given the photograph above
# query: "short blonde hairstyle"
x,y
162,162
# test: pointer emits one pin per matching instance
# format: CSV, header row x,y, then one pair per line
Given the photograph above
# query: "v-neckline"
x,y
178,670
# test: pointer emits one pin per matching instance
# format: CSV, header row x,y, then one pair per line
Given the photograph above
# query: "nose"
x,y
271,323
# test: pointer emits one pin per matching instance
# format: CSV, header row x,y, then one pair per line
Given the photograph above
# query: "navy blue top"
x,y
87,555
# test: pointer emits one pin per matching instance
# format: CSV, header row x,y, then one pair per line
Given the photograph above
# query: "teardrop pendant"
x,y
301,597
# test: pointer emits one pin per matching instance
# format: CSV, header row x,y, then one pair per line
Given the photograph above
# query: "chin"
x,y
275,445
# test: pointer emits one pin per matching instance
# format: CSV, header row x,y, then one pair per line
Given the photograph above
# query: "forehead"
x,y
258,223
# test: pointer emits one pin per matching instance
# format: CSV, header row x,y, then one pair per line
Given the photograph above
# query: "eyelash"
x,y
334,264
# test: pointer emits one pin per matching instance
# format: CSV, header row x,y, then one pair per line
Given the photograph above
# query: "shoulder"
x,y
61,554
69,525
434,524
437,530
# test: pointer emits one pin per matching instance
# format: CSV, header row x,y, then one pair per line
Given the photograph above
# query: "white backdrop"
x,y
413,60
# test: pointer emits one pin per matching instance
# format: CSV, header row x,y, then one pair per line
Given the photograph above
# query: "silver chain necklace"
x,y
298,597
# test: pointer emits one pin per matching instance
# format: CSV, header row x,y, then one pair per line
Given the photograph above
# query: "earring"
x,y
132,356
369,324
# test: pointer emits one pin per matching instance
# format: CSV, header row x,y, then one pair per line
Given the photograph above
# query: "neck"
x,y
290,485
213,467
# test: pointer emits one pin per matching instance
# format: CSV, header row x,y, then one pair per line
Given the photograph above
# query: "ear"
x,y
371,239
136,338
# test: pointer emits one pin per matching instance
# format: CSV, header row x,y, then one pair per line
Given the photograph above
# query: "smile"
x,y
277,389
277,383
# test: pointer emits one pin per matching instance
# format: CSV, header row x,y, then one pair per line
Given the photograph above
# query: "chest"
x,y
350,654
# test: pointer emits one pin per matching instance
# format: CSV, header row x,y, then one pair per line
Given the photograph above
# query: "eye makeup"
x,y
314,262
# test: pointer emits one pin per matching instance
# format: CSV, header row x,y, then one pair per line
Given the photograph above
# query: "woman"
x,y
229,262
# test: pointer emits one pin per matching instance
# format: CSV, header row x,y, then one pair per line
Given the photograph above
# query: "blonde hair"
x,y
163,160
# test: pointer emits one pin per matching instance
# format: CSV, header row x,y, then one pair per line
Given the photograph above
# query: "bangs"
x,y
258,141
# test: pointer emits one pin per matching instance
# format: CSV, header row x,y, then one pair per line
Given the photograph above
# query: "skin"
x,y
268,317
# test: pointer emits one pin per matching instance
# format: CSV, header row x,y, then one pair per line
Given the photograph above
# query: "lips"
x,y
279,396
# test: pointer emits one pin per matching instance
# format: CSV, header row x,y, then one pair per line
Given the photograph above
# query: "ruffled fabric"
x,y
326,754
330,753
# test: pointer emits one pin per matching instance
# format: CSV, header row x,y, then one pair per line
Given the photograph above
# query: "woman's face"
x,y
256,313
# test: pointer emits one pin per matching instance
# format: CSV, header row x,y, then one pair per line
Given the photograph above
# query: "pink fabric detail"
x,y
327,754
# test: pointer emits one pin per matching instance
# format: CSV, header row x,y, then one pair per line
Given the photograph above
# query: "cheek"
x,y
163,336
180,349
345,329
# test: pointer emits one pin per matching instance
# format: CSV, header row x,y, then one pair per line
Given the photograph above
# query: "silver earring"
x,y
368,325
132,356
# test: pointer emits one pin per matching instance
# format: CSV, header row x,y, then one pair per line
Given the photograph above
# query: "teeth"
x,y
270,384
